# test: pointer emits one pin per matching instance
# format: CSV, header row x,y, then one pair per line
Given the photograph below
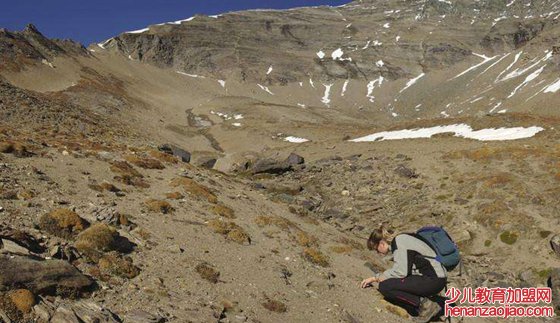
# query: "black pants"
x,y
406,292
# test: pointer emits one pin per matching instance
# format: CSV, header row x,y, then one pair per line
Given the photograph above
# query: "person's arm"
x,y
400,266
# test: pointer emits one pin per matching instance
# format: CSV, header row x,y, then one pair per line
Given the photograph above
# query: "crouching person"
x,y
416,275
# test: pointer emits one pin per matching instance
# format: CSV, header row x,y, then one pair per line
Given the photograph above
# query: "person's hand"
x,y
368,281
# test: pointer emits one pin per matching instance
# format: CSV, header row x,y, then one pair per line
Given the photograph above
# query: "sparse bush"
x,y
63,223
98,239
206,271
174,196
304,239
341,249
143,162
23,299
115,265
275,306
193,188
222,210
230,230
508,237
158,206
163,157
316,257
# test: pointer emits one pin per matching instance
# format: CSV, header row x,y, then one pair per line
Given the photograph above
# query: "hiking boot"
x,y
428,309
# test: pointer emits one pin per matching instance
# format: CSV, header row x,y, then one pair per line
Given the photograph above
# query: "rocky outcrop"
x,y
53,277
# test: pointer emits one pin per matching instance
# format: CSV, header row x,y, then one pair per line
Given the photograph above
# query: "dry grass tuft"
x,y
96,240
144,162
115,265
193,188
174,196
128,175
222,210
159,206
63,223
275,306
316,257
163,157
304,239
230,230
206,271
278,221
341,249
23,300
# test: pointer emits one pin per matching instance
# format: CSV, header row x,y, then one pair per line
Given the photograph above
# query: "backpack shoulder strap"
x,y
421,238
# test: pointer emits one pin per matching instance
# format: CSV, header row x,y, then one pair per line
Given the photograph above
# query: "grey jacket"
x,y
408,256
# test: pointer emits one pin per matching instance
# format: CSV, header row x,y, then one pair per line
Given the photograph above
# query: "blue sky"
x,y
90,21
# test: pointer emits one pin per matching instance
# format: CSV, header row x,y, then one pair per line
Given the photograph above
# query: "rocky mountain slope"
x,y
207,169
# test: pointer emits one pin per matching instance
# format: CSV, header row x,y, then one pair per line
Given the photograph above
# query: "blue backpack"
x,y
446,250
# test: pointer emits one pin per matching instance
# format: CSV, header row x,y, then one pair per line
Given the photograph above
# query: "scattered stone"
x,y
405,172
140,316
84,311
9,246
295,159
52,277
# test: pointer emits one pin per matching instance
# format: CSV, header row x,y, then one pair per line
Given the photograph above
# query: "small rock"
x,y
140,316
9,246
345,193
405,172
295,159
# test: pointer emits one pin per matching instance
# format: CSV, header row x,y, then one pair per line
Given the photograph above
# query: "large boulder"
x,y
183,155
52,277
270,166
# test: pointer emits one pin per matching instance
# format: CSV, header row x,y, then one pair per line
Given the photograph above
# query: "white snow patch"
x,y
311,82
371,86
296,140
367,44
301,105
502,111
386,25
344,87
236,124
460,130
326,100
139,31
411,82
190,75
265,88
528,79
321,54
49,64
238,116
510,65
485,60
337,54
552,88
377,43
269,70
300,84
222,83
379,63
495,107
445,1
397,38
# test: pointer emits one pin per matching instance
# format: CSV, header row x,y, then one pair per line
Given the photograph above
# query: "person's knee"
x,y
385,288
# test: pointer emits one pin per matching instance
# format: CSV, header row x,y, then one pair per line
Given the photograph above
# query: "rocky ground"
x,y
130,192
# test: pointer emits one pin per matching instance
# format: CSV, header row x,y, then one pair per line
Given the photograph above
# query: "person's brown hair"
x,y
376,236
